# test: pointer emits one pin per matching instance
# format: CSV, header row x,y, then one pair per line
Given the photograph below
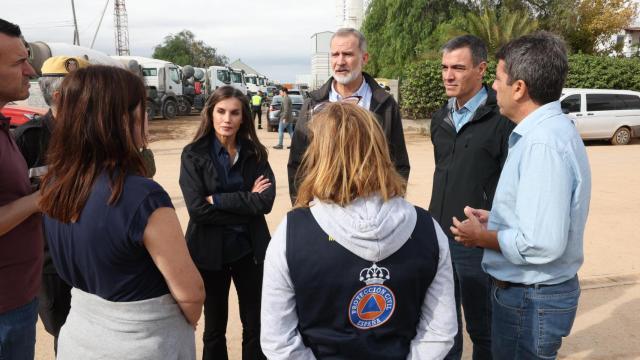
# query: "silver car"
x,y
274,111
613,115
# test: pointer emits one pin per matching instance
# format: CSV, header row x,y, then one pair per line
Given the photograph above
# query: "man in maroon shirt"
x,y
21,240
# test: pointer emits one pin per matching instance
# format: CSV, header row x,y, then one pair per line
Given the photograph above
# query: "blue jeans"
x,y
530,322
18,332
281,127
473,292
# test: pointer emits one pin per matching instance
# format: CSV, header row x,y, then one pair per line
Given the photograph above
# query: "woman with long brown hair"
x,y
113,234
228,187
355,271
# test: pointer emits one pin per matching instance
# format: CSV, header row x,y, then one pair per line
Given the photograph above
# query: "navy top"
x,y
103,253
236,242
351,308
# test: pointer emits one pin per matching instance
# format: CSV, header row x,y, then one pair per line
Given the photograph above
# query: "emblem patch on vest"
x,y
373,304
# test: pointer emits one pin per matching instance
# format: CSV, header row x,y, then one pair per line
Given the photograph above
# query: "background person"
x,y
355,271
21,238
285,118
533,237
228,187
112,233
256,108
348,56
470,122
33,139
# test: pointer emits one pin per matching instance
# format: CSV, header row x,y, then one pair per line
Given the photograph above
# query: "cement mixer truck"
x,y
163,81
193,89
40,51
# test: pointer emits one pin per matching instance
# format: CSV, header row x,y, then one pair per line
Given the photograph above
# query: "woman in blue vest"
x,y
113,233
228,187
355,271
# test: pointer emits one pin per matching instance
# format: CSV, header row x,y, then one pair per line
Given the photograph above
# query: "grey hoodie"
x,y
373,230
368,227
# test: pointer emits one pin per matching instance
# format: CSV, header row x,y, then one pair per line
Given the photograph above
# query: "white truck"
x,y
262,83
237,80
163,81
252,84
216,76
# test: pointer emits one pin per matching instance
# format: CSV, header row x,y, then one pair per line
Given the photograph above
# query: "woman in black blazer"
x,y
228,187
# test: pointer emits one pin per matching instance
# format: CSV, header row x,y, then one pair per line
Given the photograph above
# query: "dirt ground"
x,y
607,321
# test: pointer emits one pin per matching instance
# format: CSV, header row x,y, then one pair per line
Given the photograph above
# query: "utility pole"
x,y
76,34
99,23
121,28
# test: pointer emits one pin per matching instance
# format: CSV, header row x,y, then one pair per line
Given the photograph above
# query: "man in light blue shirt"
x,y
464,114
533,237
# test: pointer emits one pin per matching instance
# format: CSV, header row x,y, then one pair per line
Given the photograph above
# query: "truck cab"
x,y
238,81
216,76
163,82
252,84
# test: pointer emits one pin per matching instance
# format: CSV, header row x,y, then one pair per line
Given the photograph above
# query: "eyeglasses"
x,y
353,99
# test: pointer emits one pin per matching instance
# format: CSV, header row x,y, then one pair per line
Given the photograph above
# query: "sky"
x,y
272,36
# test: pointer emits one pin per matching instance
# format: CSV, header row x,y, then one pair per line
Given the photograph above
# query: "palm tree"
x,y
498,26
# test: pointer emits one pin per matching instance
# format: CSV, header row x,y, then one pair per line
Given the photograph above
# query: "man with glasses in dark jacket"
x,y
348,56
470,141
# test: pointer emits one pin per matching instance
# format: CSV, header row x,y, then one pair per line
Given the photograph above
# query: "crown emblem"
x,y
374,275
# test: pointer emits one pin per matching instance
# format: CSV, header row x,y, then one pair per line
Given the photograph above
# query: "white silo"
x,y
349,13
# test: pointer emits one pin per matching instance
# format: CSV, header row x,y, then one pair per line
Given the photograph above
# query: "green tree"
x,y
184,49
395,30
597,22
498,25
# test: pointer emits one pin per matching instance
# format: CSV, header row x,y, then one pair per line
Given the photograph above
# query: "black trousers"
x,y
257,111
54,305
247,279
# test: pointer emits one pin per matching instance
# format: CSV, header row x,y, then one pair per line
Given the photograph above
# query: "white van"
x,y
603,114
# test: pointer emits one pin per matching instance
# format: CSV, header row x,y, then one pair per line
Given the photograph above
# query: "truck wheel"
x,y
622,136
184,107
169,109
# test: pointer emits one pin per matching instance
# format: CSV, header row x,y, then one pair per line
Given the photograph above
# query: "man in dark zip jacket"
x,y
349,83
470,143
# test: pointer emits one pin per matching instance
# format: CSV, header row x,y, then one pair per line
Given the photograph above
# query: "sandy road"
x,y
608,317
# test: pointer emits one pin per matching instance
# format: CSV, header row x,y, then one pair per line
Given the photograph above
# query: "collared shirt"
x,y
541,203
236,241
464,114
364,91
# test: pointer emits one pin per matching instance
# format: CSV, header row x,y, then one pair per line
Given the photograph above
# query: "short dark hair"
x,y
9,29
285,90
540,60
477,47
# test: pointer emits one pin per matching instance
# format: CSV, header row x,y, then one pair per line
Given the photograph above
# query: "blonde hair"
x,y
347,158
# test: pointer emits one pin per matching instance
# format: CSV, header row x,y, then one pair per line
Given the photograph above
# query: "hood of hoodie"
x,y
368,227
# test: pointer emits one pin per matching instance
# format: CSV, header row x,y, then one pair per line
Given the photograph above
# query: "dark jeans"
x,y
55,303
530,322
247,279
257,111
473,292
18,332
